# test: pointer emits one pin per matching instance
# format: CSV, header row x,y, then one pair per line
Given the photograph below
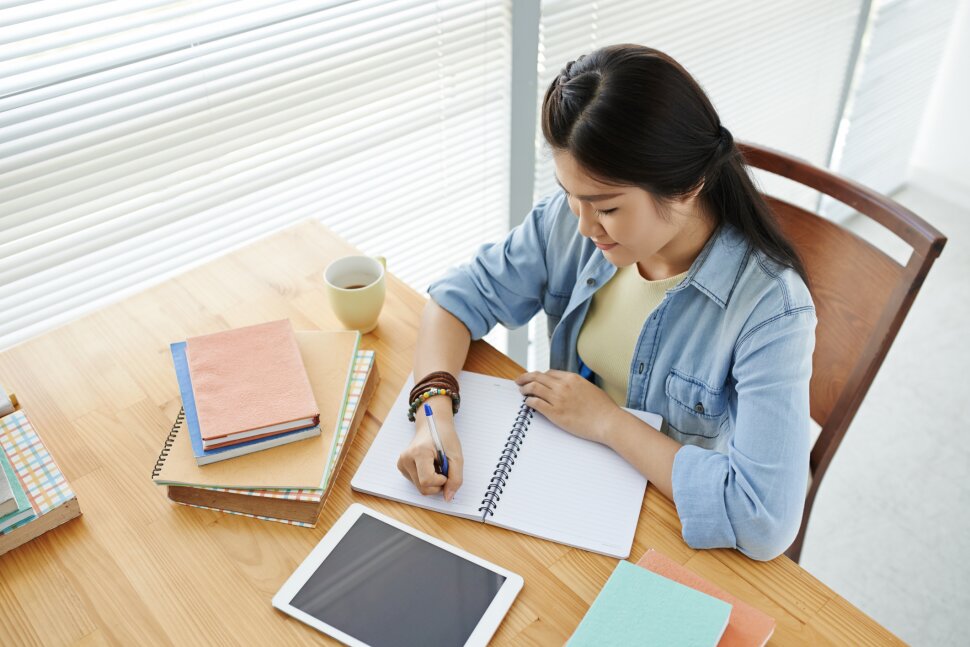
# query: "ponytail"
x,y
730,192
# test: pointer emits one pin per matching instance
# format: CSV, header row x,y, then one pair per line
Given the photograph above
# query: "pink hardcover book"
x,y
249,383
747,626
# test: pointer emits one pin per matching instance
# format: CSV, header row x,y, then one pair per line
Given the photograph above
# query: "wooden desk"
x,y
137,569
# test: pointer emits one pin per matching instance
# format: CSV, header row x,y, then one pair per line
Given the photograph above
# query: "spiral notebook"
x,y
522,472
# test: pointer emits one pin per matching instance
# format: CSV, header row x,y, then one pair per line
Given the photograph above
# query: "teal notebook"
x,y
24,510
639,607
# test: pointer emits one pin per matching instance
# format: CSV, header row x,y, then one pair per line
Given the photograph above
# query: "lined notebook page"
x,y
573,491
483,425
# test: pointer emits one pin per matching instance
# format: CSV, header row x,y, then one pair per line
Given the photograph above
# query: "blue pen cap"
x,y
427,409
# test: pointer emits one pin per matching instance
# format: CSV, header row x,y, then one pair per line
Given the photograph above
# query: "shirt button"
x,y
699,408
590,282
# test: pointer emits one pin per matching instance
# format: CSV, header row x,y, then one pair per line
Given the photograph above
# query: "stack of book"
x,y
244,390
660,602
283,481
34,495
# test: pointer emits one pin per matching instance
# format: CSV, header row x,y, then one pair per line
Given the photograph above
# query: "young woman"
x,y
668,288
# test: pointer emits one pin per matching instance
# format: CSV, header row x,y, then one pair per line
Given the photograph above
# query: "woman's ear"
x,y
689,199
696,191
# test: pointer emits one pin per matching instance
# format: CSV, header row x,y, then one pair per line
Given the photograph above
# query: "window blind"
x,y
775,71
141,138
899,62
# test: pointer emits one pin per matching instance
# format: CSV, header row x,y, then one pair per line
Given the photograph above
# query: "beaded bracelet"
x,y
436,379
429,386
430,393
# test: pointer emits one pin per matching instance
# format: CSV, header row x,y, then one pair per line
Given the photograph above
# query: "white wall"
x,y
941,156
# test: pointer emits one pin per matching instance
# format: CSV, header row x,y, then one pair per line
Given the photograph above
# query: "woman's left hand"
x,y
570,401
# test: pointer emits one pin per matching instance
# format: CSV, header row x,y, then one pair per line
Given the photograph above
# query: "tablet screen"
x,y
384,586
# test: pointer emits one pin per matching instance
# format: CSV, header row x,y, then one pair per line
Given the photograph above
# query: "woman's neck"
x,y
679,254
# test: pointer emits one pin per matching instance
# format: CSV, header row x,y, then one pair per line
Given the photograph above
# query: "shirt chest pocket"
x,y
693,407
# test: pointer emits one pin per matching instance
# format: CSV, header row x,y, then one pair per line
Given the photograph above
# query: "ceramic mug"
x,y
356,289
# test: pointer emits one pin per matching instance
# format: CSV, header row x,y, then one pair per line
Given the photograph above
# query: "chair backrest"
x,y
861,294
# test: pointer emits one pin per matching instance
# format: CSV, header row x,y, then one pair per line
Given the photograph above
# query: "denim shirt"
x,y
725,359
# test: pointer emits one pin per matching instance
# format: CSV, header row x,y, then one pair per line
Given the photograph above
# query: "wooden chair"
x,y
861,296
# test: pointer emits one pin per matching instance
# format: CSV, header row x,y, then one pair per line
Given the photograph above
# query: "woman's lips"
x,y
605,247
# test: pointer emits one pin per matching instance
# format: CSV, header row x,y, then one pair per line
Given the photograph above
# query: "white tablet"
x,y
373,580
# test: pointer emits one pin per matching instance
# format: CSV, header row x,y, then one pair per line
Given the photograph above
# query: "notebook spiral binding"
x,y
506,461
168,443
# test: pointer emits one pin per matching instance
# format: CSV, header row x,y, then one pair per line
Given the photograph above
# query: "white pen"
x,y
441,465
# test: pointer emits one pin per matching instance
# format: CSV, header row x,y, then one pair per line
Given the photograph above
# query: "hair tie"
x,y
724,138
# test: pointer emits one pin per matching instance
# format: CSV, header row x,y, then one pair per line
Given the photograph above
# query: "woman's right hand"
x,y
416,462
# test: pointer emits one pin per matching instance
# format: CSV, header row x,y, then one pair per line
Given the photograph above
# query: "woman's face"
x,y
625,222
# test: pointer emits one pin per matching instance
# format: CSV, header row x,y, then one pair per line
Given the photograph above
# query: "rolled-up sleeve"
x,y
752,497
504,281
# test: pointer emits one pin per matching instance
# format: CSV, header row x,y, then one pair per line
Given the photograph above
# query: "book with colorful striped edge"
x,y
8,490
21,509
293,506
50,496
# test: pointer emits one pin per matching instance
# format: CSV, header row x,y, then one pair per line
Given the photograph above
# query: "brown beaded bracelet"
x,y
430,393
442,379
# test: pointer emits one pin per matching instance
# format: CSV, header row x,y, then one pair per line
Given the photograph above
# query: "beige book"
x,y
328,359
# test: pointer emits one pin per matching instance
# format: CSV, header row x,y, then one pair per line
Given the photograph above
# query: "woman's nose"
x,y
588,224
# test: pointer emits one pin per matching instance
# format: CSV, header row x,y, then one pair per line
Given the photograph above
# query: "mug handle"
x,y
381,260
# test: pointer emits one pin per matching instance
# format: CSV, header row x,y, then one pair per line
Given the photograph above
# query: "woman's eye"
x,y
606,212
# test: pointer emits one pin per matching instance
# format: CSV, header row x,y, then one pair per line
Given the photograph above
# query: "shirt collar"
x,y
717,268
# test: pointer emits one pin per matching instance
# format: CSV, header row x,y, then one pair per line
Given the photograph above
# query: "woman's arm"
x,y
443,343
503,283
647,449
751,498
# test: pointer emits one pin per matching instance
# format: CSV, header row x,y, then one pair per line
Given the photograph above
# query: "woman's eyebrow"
x,y
589,198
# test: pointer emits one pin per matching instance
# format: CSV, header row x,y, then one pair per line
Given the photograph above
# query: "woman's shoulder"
x,y
781,281
767,291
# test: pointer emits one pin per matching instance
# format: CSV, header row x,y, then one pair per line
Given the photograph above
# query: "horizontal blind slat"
x,y
112,222
311,93
247,173
268,36
236,72
268,135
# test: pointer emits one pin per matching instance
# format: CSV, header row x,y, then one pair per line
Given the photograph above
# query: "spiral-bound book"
x,y
521,471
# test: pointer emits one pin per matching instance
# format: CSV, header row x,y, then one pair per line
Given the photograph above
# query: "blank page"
x,y
573,491
487,413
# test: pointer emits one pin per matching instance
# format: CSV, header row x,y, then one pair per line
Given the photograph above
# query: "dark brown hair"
x,y
631,115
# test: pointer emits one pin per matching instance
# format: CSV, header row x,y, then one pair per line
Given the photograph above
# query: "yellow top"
x,y
613,324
